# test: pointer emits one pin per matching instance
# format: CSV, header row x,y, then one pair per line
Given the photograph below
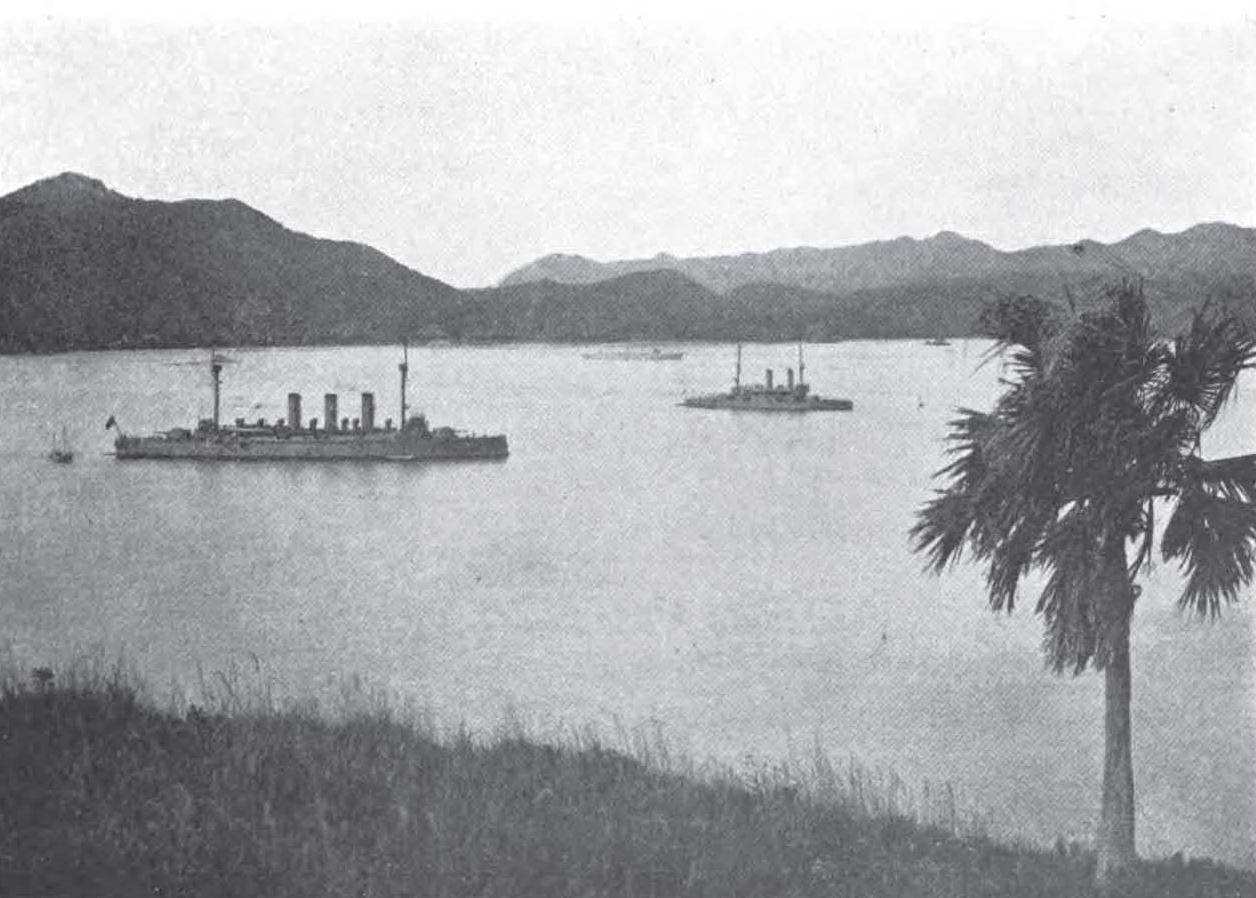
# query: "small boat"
x,y
61,452
938,341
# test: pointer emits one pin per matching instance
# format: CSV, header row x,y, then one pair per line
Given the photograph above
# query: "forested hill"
x,y
82,266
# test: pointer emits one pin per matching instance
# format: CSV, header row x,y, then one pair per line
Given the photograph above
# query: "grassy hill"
x,y
107,794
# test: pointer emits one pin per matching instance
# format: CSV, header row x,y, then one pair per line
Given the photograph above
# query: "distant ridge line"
x,y
838,269
85,267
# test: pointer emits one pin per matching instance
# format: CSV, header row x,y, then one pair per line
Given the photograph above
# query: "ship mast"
x,y
737,372
801,377
215,369
404,368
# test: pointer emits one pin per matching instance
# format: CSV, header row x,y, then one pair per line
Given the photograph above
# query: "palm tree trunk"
x,y
1116,823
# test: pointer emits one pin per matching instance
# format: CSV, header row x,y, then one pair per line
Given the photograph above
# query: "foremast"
x,y
404,368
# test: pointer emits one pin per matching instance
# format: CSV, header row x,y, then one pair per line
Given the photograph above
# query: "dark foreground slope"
x,y
103,794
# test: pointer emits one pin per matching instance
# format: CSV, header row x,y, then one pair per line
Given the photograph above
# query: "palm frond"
x,y
942,528
1161,443
968,436
1205,361
1214,537
1233,477
1019,321
1071,631
1146,528
1129,304
1072,549
1012,555
1098,421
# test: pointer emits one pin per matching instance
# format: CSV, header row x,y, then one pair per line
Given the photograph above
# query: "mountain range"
x,y
85,267
1216,247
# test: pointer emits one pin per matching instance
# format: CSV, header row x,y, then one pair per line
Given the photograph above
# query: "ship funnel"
x,y
789,377
329,411
294,410
769,378
368,412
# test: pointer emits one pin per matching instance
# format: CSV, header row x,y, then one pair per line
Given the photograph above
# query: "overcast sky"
x,y
467,147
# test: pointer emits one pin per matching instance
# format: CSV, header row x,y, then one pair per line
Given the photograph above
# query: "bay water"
x,y
742,583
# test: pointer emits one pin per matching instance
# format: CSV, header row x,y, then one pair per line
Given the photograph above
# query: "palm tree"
x,y
1096,432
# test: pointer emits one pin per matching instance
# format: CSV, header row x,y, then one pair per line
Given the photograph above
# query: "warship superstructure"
x,y
337,439
769,397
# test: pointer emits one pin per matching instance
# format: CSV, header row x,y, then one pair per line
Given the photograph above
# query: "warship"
x,y
337,439
767,397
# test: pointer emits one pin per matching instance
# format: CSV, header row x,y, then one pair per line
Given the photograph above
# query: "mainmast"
x,y
802,379
404,368
737,372
215,369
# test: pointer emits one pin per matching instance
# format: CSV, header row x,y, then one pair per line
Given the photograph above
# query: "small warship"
x,y
338,439
767,397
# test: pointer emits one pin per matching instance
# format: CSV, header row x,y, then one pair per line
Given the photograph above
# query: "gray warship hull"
x,y
791,397
292,440
748,402
636,355
380,446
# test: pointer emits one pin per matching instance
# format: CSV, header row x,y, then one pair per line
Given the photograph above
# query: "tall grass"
x,y
106,793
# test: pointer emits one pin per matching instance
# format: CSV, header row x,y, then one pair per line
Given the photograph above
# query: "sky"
x,y
472,141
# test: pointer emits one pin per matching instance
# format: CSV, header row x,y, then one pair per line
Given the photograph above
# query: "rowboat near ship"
x,y
62,452
337,439
770,397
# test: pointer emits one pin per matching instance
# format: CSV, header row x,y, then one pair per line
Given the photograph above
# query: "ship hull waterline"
x,y
787,407
385,449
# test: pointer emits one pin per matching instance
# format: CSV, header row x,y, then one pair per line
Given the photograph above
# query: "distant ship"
x,y
767,397
637,353
937,341
336,440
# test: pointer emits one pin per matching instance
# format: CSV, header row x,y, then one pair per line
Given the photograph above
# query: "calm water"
x,y
745,581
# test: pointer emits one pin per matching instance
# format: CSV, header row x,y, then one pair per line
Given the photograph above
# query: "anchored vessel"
x,y
338,439
637,354
766,397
